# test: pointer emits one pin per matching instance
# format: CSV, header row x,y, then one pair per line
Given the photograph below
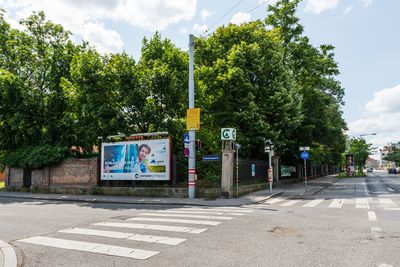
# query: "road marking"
x,y
390,189
336,203
392,208
366,190
290,203
372,216
274,200
198,212
314,203
386,201
131,236
173,220
217,209
187,216
362,203
167,228
133,253
9,256
375,229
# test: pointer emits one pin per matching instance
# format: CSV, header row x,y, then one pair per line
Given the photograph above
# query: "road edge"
x,y
9,255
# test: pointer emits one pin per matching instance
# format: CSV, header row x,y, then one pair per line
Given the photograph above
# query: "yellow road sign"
x,y
193,119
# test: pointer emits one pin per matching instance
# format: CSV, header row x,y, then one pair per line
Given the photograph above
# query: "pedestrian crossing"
x,y
151,227
335,203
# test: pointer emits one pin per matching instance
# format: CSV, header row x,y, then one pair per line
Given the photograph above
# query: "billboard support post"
x,y
192,132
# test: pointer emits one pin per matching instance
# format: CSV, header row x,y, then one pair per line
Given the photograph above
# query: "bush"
x,y
34,157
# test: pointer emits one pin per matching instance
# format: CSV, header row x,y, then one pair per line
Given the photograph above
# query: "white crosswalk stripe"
x,y
362,203
173,220
386,201
274,200
314,203
290,203
217,210
133,253
156,227
120,235
186,216
337,203
199,212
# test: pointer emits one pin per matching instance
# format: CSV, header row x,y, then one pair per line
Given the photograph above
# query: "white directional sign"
x,y
228,134
304,148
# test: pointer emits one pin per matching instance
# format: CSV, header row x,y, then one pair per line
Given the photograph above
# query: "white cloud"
x,y
91,15
381,117
367,3
347,10
106,41
183,30
201,28
205,14
385,100
240,17
318,6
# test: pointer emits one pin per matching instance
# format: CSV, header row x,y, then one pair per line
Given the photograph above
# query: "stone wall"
x,y
74,173
77,173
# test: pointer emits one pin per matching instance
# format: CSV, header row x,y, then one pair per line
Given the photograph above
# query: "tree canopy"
x,y
265,78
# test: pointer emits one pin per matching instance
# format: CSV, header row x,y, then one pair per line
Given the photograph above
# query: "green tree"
x,y
393,155
242,83
314,70
360,150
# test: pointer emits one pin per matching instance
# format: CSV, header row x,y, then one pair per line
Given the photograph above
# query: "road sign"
x,y
210,158
186,138
270,175
304,155
304,148
228,134
193,119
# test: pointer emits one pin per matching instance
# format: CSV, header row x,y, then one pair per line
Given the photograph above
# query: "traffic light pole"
x,y
192,132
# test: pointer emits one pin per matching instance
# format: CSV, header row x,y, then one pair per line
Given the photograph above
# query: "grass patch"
x,y
356,174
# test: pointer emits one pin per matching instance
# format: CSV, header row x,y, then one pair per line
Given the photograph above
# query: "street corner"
x,y
8,258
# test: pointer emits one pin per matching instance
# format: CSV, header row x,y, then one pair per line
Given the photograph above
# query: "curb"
x,y
99,201
9,256
319,189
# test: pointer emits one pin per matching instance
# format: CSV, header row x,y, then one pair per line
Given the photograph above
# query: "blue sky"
x,y
364,32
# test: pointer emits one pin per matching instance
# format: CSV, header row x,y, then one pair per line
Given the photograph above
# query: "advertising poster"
x,y
349,164
136,160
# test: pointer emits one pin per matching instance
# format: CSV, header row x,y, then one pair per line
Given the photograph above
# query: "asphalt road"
x,y
354,222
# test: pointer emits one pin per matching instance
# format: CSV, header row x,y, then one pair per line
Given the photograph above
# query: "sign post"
x,y
237,169
304,155
268,148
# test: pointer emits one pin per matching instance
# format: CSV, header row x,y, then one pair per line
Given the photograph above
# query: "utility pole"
x,y
192,132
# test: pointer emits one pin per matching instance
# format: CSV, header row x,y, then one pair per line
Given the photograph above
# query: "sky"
x,y
365,33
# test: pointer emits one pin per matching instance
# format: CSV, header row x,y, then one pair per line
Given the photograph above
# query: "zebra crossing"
x,y
154,227
335,203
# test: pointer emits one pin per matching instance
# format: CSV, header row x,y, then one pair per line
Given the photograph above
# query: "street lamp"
x,y
361,135
237,146
269,147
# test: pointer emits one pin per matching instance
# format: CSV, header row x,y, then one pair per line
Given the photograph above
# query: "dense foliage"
x,y
265,78
360,149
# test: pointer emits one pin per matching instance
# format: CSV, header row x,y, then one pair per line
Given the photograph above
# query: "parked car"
x,y
370,169
398,170
392,171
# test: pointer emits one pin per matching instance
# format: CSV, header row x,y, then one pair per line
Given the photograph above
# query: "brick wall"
x,y
15,177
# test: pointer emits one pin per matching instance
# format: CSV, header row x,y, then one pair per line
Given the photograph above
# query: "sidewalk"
x,y
290,190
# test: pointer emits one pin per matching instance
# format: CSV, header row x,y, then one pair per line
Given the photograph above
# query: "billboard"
x,y
136,160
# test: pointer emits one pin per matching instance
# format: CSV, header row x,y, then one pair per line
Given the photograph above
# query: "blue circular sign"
x,y
304,155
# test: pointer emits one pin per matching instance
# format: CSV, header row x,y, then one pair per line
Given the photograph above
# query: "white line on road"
x,y
9,257
366,190
133,253
217,209
187,216
336,203
290,203
362,203
131,236
197,212
173,220
156,227
392,208
372,216
375,229
390,189
274,200
314,203
386,201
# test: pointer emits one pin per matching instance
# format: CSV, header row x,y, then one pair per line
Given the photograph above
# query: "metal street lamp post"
x,y
269,146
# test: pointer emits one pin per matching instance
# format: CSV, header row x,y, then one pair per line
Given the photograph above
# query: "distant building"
x,y
372,163
384,151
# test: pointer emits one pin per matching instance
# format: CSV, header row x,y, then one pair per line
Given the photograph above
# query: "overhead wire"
x,y
230,10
